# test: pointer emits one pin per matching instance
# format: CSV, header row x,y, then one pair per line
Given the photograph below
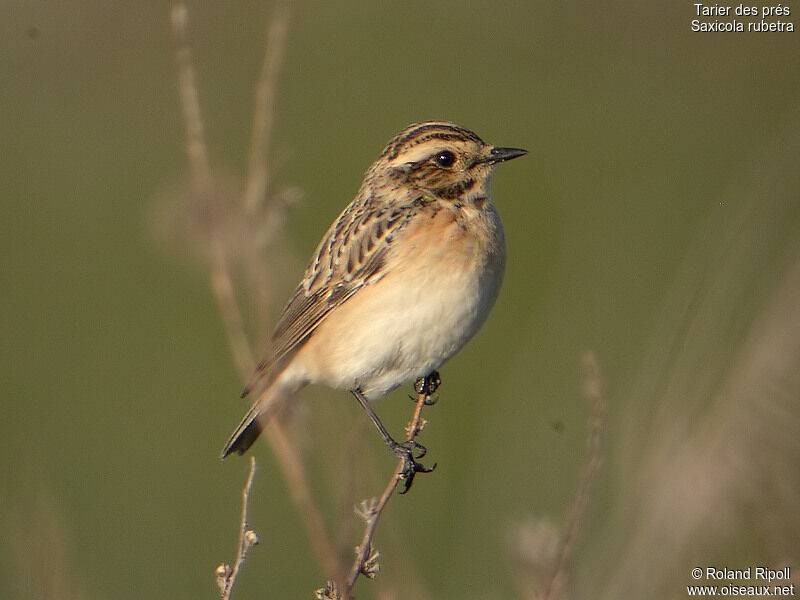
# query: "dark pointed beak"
x,y
497,155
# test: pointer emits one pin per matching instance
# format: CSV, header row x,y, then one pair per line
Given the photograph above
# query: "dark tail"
x,y
254,421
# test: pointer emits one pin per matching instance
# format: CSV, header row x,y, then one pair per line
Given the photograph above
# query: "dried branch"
x,y
225,296
256,195
593,390
257,185
226,576
296,476
366,561
262,204
282,446
190,103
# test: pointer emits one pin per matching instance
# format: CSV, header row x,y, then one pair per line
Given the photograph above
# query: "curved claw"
x,y
410,465
430,400
410,469
421,450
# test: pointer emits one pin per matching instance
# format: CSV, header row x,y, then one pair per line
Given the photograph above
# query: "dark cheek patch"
x,y
456,190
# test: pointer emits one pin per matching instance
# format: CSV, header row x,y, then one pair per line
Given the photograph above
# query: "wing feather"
x,y
349,257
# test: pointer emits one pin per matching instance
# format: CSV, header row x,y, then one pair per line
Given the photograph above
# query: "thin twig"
x,y
256,187
190,103
288,455
226,576
365,550
260,204
593,390
282,446
296,476
225,295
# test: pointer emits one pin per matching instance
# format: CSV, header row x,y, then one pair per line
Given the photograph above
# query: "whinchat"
x,y
402,279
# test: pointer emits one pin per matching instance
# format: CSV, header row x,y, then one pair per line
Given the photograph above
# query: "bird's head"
x,y
443,159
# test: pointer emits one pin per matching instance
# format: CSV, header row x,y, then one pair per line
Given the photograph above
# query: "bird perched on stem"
x,y
402,279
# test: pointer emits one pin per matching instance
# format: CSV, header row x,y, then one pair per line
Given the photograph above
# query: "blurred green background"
x,y
655,222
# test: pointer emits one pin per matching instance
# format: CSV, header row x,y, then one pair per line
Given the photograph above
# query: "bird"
x,y
401,281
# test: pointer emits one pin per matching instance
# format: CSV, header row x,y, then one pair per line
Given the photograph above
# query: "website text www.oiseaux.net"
x,y
753,582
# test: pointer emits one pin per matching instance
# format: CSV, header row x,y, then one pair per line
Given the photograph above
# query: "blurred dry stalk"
x,y
237,238
710,452
732,471
543,555
38,545
226,575
593,390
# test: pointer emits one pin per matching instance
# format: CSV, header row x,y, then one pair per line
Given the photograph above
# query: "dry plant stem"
x,y
190,103
257,193
292,466
593,390
244,545
365,547
288,456
225,295
264,109
295,473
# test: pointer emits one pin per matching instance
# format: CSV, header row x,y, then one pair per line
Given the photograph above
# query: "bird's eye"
x,y
445,158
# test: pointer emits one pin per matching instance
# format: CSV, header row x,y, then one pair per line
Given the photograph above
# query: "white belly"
x,y
413,320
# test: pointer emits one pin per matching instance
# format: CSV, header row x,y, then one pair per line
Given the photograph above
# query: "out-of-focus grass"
x,y
652,222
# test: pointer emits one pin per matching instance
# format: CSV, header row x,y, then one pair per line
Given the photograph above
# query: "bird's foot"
x,y
411,467
428,385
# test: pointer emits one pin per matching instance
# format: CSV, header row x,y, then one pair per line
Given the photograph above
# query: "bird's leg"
x,y
428,385
403,450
